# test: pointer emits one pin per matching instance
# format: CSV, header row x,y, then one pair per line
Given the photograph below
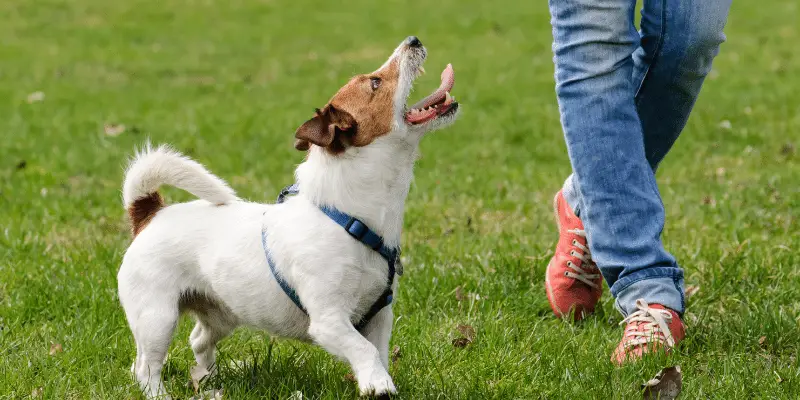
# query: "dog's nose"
x,y
413,41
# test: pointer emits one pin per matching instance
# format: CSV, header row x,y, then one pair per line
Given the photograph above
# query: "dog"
x,y
291,268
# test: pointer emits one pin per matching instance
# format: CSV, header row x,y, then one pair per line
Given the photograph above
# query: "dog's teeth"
x,y
447,98
421,70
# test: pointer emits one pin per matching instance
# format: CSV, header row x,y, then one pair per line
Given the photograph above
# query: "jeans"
x,y
624,97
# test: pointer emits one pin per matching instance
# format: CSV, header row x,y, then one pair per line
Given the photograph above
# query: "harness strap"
x,y
383,300
359,231
282,282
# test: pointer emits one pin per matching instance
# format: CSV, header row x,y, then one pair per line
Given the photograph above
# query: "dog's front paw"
x,y
377,385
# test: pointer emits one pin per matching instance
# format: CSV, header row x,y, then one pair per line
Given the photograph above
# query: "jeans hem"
x,y
672,273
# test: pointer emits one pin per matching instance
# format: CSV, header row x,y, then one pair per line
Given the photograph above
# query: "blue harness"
x,y
359,231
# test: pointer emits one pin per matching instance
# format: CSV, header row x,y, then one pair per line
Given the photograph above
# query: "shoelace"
x,y
654,326
581,274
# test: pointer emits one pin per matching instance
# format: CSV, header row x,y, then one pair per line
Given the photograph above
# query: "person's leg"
x,y
680,38
670,67
619,201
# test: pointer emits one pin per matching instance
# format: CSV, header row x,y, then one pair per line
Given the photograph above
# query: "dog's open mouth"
x,y
437,103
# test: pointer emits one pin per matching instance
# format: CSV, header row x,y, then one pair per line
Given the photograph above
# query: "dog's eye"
x,y
375,83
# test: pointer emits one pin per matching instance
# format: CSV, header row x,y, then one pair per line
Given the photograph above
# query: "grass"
x,y
228,82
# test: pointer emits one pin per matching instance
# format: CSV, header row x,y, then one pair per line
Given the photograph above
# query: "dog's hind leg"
x,y
333,330
211,327
152,313
153,333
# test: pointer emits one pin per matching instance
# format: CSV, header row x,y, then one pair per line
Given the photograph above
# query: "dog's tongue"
x,y
448,80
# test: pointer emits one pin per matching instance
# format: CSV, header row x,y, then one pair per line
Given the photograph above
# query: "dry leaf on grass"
x,y
55,348
197,373
35,97
692,290
36,393
349,377
467,331
396,354
708,200
468,336
762,341
459,294
666,385
113,130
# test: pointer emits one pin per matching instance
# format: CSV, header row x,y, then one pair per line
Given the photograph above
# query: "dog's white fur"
x,y
206,256
151,169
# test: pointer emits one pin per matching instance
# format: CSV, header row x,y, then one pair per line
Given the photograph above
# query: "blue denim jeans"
x,y
624,97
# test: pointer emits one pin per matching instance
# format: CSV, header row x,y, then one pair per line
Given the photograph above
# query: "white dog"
x,y
330,247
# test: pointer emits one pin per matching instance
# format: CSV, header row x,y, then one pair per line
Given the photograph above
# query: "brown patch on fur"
x,y
143,210
360,112
206,307
197,302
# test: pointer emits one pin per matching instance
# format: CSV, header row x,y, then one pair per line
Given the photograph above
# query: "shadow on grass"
x,y
279,369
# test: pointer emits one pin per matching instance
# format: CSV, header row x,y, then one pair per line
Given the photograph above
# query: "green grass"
x,y
228,83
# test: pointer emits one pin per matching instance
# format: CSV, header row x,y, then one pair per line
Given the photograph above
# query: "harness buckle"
x,y
356,228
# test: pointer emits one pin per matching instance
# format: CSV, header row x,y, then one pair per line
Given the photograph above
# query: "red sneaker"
x,y
652,328
573,282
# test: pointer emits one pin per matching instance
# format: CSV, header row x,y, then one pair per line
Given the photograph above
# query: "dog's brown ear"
x,y
302,145
317,130
327,129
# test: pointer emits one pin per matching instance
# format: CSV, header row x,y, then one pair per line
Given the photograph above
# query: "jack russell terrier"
x,y
318,266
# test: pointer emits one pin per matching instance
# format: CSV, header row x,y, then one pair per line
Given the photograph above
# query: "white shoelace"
x,y
655,321
580,273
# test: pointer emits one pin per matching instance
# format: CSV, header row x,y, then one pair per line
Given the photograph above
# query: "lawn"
x,y
83,82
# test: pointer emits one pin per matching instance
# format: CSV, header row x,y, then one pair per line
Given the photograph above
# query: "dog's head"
x,y
373,105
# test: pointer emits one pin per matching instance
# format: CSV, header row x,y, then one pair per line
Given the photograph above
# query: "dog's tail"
x,y
152,168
